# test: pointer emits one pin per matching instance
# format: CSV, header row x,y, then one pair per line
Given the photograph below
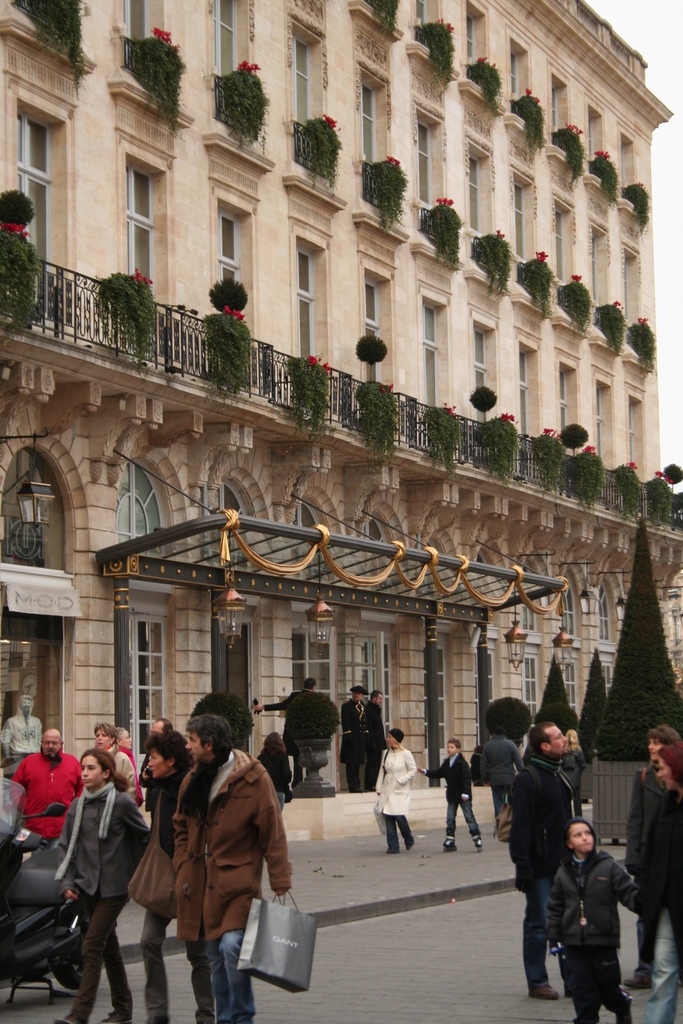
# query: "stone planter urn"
x,y
612,787
313,757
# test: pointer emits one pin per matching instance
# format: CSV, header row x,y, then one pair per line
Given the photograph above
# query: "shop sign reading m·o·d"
x,y
43,600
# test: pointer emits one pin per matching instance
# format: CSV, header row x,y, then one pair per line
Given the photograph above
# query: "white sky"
x,y
655,29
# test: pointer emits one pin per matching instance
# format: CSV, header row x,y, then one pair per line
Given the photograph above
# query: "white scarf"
x,y
107,791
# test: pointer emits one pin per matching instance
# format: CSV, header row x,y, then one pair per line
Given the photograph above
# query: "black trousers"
x,y
353,778
596,981
372,764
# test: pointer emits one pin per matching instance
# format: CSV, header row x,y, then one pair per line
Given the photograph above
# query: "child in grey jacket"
x,y
584,918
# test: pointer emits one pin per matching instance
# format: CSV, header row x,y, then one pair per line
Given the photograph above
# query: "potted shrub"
x,y
437,36
589,475
628,486
58,27
325,145
659,499
228,351
20,266
549,453
574,436
495,256
529,108
613,325
602,167
370,349
576,300
390,184
232,708
312,720
444,227
513,714
378,416
487,77
642,340
244,104
569,140
499,439
673,473
538,280
159,67
483,399
639,196
228,293
127,313
309,379
592,711
443,431
386,11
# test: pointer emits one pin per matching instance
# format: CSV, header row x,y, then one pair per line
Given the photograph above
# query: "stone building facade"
x,y
117,190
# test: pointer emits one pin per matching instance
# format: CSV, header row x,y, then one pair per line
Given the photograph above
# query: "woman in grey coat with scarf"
x,y
102,842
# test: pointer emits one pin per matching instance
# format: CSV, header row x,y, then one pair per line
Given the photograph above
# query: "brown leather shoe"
x,y
638,981
543,992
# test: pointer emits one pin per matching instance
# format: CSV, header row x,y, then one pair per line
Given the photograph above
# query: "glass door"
x,y
147,699
363,661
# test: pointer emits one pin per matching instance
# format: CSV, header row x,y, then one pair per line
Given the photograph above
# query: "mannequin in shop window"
x,y
21,735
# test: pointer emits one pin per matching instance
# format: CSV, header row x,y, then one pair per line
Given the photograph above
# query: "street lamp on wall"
x,y
230,609
620,606
562,646
320,618
588,600
516,639
35,502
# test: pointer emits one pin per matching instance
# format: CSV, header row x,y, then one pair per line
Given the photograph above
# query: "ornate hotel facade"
x,y
115,190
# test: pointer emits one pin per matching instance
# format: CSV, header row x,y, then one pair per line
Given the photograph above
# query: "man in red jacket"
x,y
49,777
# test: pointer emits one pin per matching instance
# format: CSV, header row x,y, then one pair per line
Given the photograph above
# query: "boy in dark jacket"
x,y
583,917
455,770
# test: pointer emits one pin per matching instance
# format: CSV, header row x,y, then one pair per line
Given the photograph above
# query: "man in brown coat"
x,y
228,821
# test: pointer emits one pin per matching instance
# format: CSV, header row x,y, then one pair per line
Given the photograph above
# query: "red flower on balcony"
x,y
450,409
447,24
140,278
250,68
631,465
233,312
576,277
590,449
327,368
165,37
642,319
386,388
444,202
617,304
15,229
482,60
603,154
330,122
394,161
507,417
549,432
500,234
530,94
312,361
663,476
573,128
541,257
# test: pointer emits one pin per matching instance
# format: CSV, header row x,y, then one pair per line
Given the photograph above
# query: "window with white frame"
x,y
526,619
569,673
560,227
424,162
607,669
140,222
373,323
599,409
479,357
631,430
630,287
520,218
564,399
558,103
305,302
594,132
529,682
302,73
147,705
523,393
626,161
595,269
137,509
430,354
471,38
367,117
224,13
421,11
604,630
554,106
514,75
475,193
228,255
598,265
568,616
33,177
136,16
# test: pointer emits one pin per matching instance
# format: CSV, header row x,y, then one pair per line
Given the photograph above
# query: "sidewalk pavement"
x,y
455,964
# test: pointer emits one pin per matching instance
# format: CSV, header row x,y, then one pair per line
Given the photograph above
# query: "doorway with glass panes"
x,y
147,698
363,660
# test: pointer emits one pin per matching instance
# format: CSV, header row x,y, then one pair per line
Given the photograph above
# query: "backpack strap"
x,y
643,776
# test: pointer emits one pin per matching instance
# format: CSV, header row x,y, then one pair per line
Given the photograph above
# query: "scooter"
x,y
40,933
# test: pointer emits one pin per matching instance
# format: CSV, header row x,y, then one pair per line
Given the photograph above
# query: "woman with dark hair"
x,y
101,844
169,763
274,759
475,765
661,884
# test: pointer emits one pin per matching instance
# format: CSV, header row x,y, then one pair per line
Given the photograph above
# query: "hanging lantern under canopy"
x,y
562,646
320,618
516,639
230,609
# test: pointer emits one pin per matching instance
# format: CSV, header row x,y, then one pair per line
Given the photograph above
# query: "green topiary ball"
x,y
674,473
231,707
574,436
16,208
561,714
228,293
483,399
312,716
370,349
512,714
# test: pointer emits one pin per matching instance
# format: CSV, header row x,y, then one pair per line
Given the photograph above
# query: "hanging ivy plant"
x,y
613,325
529,108
643,342
378,415
370,349
127,312
443,431
487,77
386,11
569,140
437,36
244,104
659,499
495,256
574,436
228,293
602,167
628,487
639,196
20,269
483,399
58,27
390,184
228,351
159,67
549,454
444,228
309,379
499,439
325,144
538,281
589,476
576,300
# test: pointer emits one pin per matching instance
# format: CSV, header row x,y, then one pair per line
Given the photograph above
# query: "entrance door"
x,y
363,661
441,690
147,699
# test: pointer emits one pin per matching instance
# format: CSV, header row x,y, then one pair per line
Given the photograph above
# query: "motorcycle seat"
x,y
35,884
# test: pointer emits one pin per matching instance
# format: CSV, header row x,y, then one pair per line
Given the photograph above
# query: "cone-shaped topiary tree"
x,y
593,709
555,692
555,703
643,692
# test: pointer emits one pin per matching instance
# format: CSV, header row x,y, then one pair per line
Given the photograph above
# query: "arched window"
x,y
33,544
603,616
230,499
137,511
568,618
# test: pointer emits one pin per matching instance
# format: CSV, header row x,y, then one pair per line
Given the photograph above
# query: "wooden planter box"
x,y
612,787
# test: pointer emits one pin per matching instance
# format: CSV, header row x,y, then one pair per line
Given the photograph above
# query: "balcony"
x,y
477,251
129,55
419,36
514,108
369,185
302,147
427,222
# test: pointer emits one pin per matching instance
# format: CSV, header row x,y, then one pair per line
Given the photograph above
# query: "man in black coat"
x,y
354,737
376,739
282,705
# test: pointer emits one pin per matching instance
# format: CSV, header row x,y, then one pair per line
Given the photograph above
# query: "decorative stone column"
x,y
122,663
483,683
432,696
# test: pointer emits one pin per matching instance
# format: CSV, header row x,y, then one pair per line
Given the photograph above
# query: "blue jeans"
x,y
534,942
661,1006
231,988
280,798
497,794
392,821
452,810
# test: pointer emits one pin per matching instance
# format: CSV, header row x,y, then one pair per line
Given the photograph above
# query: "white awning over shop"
x,y
50,595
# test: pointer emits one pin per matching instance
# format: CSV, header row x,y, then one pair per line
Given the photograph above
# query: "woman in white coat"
x,y
393,789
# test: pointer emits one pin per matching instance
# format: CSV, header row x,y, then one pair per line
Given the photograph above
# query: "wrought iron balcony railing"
x,y
370,194
427,222
302,147
514,108
561,297
129,55
67,310
477,250
521,271
591,168
419,35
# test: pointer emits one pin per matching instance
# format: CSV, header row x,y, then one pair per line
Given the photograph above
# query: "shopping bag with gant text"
x,y
278,945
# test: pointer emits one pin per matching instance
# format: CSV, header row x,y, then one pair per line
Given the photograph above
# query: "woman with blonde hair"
x,y
393,790
573,763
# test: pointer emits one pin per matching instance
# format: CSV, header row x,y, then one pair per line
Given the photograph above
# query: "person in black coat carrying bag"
x,y
455,770
354,737
376,739
274,759
282,705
